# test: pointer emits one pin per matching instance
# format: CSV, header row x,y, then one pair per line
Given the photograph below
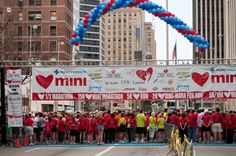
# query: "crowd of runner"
x,y
105,127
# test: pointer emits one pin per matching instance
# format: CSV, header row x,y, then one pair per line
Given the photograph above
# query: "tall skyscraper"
x,y
92,46
208,20
36,29
149,41
124,30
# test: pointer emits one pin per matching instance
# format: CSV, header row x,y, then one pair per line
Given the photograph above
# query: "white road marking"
x,y
30,150
106,150
194,153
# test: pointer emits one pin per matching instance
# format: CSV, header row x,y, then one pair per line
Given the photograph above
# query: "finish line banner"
x,y
134,83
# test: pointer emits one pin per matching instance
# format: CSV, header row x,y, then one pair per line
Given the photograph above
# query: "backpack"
x,y
39,123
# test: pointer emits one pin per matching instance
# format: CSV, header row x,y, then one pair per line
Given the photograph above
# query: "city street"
x,y
113,150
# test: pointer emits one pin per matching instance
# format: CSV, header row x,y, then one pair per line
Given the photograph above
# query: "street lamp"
x,y
59,43
34,27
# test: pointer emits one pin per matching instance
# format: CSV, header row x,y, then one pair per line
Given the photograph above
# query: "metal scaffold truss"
x,y
183,62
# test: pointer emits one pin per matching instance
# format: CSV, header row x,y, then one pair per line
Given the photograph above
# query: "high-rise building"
x,y
230,29
124,30
36,30
149,41
92,46
208,20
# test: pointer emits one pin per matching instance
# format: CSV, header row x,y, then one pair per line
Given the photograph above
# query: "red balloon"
x,y
74,35
76,43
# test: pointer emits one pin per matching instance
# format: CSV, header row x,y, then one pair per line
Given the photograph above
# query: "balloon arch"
x,y
150,7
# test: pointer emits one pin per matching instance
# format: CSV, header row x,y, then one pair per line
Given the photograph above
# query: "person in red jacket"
x,y
107,117
183,126
206,127
61,129
90,130
230,126
216,126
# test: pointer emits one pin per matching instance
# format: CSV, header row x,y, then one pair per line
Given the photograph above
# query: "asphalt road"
x,y
112,150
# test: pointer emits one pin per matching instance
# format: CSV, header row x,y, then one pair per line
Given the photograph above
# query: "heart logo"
x,y
200,79
44,82
41,96
136,96
165,70
145,75
88,96
227,94
161,96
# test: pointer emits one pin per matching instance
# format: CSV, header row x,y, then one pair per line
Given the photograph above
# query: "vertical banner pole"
x,y
3,108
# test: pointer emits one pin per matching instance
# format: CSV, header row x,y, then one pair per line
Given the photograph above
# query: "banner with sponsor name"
x,y
134,83
14,94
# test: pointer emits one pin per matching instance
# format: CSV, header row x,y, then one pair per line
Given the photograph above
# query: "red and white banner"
x,y
134,83
14,94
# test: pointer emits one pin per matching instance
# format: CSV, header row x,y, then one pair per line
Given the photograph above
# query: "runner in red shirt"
x,y
174,119
61,130
230,126
216,126
48,130
183,126
28,123
192,117
107,117
90,130
73,130
112,128
206,127
54,127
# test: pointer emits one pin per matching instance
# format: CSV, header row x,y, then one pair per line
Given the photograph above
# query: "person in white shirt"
x,y
199,123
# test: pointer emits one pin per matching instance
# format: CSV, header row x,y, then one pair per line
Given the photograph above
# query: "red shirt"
x,y
183,121
72,125
206,120
82,123
174,120
230,123
113,123
107,117
192,117
48,127
54,122
28,122
100,121
132,122
61,126
217,117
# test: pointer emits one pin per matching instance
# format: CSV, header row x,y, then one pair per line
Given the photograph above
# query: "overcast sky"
x,y
183,10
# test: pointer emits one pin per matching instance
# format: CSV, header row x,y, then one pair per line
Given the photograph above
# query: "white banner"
x,y
14,92
134,83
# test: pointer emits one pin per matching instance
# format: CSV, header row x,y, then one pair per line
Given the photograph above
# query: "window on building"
x,y
20,3
53,30
20,13
35,45
20,31
35,32
20,46
35,15
53,45
53,15
35,2
53,2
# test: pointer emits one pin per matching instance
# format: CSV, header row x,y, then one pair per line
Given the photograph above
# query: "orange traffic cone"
x,y
25,142
17,145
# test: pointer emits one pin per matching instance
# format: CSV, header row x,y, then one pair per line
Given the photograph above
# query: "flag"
x,y
174,53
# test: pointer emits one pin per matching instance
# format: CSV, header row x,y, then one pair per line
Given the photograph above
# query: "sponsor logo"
x,y
129,89
168,89
125,82
155,88
111,89
95,76
113,74
92,88
182,87
170,82
58,71
214,70
111,83
200,79
145,75
138,82
45,82
183,75
142,89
